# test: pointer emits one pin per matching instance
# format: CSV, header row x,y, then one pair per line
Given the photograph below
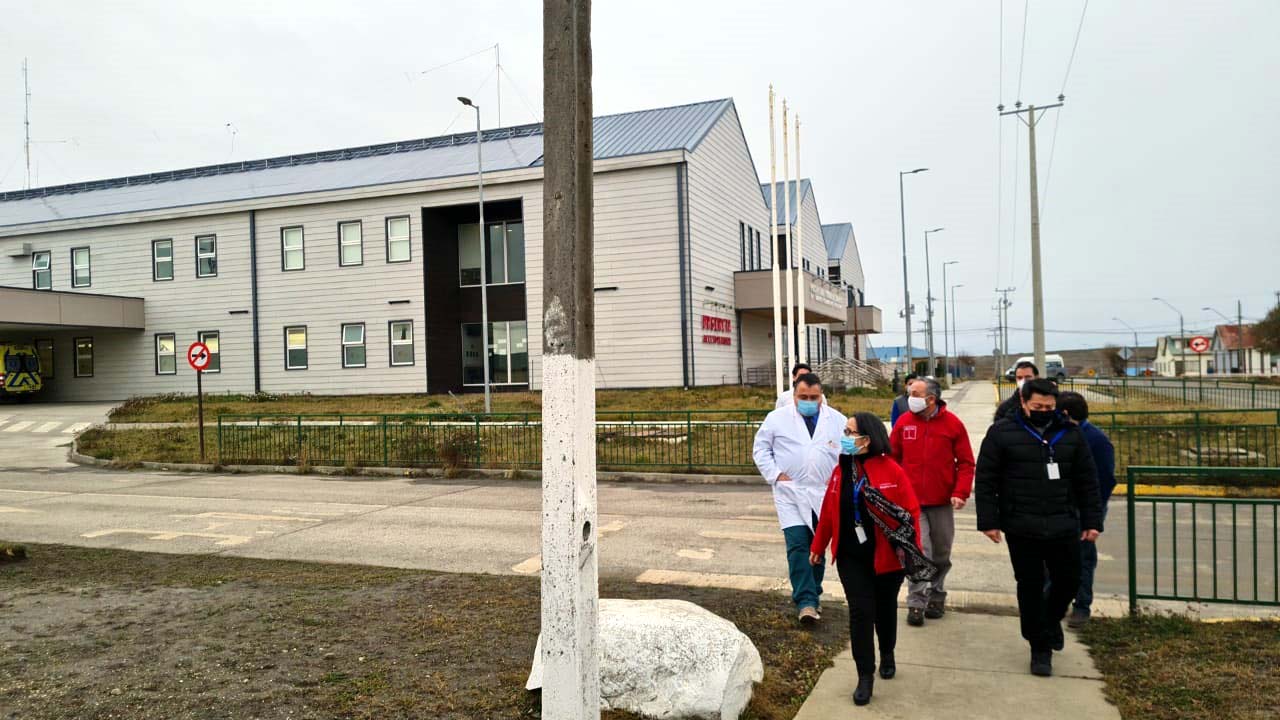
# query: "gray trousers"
x,y
937,531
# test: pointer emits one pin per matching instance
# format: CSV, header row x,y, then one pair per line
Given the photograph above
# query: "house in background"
x,y
1231,356
1174,357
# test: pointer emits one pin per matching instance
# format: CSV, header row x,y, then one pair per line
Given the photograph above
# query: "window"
x,y
508,348
401,342
81,272
398,249
350,243
352,345
206,256
41,272
162,260
504,254
759,257
742,246
295,348
44,351
166,354
212,340
292,254
84,357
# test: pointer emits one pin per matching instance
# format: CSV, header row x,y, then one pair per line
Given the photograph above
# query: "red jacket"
x,y
884,475
936,455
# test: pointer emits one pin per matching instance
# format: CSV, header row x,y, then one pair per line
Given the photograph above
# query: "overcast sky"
x,y
1162,179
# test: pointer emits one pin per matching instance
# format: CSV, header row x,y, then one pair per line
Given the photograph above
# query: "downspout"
x,y
253,293
686,343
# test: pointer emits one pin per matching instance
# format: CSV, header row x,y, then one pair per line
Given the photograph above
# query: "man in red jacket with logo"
x,y
932,445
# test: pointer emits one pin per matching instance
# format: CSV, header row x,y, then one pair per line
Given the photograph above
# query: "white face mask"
x,y
1021,382
917,404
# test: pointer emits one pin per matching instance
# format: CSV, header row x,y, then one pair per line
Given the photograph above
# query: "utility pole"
x,y
1037,290
946,333
931,365
906,290
570,563
1244,356
26,118
1002,306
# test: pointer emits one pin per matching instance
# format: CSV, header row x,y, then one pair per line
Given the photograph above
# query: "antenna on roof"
x,y
26,119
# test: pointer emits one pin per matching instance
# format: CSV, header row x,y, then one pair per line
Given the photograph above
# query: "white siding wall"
x,y
121,265
723,193
851,272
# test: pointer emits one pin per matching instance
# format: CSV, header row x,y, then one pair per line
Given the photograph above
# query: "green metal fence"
x,y
1196,443
1243,393
688,440
1211,550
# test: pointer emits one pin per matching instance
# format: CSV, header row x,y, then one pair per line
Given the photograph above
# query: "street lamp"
x,y
928,299
906,291
1182,332
946,349
955,335
1135,343
484,263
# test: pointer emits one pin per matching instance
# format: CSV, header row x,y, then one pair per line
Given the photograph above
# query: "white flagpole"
x,y
778,362
803,330
786,243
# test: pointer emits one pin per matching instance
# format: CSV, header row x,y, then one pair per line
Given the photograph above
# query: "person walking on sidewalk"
x,y
932,446
1012,405
1036,482
868,562
796,449
899,407
787,397
1075,409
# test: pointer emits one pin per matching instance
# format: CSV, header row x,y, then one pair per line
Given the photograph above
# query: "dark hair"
x,y
808,379
1026,364
801,366
870,425
1074,405
910,377
1038,386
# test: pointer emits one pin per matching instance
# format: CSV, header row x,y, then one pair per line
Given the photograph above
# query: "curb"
x,y
75,456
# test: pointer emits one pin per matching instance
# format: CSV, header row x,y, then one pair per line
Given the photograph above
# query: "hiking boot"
x,y
1078,619
866,683
1042,663
1056,640
915,617
888,668
936,608
808,616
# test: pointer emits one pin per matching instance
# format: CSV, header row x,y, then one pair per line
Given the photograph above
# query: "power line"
x,y
537,116
452,62
1026,8
1000,154
1074,44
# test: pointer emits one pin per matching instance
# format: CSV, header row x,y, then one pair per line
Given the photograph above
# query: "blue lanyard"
x,y
1047,443
857,494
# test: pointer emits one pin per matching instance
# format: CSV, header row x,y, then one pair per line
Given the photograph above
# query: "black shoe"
x,y
1056,640
935,609
915,617
888,668
862,695
1078,619
1042,663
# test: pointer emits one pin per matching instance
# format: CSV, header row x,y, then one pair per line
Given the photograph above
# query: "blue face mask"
x,y
848,446
807,408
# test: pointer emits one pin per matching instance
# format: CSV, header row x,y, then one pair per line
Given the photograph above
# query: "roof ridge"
x,y
318,156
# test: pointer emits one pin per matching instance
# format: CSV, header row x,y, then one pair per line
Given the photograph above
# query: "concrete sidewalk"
x,y
967,666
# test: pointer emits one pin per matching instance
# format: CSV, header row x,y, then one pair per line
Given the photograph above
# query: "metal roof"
x,y
837,237
805,188
633,133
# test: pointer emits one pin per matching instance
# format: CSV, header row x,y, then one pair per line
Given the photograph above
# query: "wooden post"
x,y
570,602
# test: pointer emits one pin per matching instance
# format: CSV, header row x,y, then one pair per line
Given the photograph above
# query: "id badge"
x,y
861,533
1054,473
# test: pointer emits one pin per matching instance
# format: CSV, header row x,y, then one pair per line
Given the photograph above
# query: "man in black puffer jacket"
x,y
1036,481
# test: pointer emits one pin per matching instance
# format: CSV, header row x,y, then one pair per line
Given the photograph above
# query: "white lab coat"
x,y
786,399
783,445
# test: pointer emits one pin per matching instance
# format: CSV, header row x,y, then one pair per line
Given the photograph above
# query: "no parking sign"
x,y
198,357
1198,344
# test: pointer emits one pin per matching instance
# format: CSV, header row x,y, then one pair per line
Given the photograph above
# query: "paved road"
x,y
1224,394
36,436
718,535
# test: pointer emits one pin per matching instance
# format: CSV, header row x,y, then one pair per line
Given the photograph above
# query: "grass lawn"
x,y
90,633
182,408
1159,668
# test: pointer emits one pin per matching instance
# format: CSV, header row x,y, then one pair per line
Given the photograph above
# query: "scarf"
x,y
897,525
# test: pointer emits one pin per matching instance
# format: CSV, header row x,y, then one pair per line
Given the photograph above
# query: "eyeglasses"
x,y
852,434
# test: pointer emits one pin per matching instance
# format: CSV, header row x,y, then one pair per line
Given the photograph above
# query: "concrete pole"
x,y
779,359
803,328
1037,289
570,599
906,289
1244,356
793,343
930,366
946,325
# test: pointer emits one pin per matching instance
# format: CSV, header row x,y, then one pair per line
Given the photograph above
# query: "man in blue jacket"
x,y
900,402
1076,409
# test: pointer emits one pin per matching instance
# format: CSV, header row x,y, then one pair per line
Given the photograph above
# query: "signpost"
x,y
1198,344
198,358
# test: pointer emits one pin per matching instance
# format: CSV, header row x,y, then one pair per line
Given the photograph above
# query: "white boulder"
x,y
670,659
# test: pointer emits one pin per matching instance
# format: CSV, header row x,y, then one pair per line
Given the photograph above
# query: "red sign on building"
x,y
717,331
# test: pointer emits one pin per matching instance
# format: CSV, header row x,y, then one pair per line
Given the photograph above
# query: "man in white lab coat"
x,y
787,398
796,449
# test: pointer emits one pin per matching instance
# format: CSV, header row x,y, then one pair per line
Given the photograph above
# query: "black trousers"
x,y
873,608
1041,613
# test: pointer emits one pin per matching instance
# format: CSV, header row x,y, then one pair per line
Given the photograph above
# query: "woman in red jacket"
x,y
870,568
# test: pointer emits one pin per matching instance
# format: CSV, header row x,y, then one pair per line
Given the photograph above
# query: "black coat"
x,y
1011,408
1013,489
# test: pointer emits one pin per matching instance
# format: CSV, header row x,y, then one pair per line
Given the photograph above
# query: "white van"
x,y
1053,369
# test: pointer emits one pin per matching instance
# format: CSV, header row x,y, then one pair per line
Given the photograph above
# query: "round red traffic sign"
x,y
198,356
1198,344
